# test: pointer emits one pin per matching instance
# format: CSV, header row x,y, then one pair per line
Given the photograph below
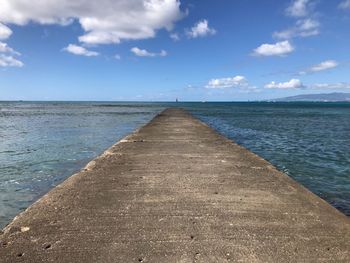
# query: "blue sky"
x,y
159,50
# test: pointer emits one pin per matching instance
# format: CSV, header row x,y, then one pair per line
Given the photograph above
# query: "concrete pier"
x,y
177,191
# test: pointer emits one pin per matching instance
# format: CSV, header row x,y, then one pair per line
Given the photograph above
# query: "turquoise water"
x,y
42,143
308,141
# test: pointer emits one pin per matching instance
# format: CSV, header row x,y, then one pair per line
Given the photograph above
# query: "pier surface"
x,y
177,191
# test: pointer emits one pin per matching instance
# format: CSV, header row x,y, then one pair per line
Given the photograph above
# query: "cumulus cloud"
x,y
5,32
325,65
103,21
299,8
81,51
144,53
345,5
231,82
201,29
9,61
279,49
7,56
292,84
303,28
4,48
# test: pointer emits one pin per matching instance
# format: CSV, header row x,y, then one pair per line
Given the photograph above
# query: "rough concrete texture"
x,y
177,191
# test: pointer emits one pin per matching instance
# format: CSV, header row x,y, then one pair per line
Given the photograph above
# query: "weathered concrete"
x,y
177,191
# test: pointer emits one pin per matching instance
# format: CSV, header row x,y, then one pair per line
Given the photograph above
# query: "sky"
x,y
160,50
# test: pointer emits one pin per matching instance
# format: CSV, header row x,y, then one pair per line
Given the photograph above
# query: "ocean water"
x,y
308,141
42,143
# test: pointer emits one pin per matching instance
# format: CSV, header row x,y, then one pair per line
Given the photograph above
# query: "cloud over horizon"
x,y
292,84
238,83
339,85
222,83
278,49
325,65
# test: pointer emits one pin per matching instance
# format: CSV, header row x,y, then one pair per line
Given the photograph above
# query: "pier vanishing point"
x,y
177,191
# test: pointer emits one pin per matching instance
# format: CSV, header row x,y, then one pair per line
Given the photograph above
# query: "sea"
x,y
43,143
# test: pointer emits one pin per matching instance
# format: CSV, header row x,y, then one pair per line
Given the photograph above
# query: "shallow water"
x,y
308,141
42,143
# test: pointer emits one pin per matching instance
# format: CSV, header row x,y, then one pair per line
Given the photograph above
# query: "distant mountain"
x,y
331,97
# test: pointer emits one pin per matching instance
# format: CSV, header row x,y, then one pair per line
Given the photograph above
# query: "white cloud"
x,y
5,32
325,65
78,50
297,84
117,57
175,36
299,8
144,53
308,27
237,81
292,84
339,85
7,58
9,61
278,49
104,21
4,48
303,28
345,4
201,29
